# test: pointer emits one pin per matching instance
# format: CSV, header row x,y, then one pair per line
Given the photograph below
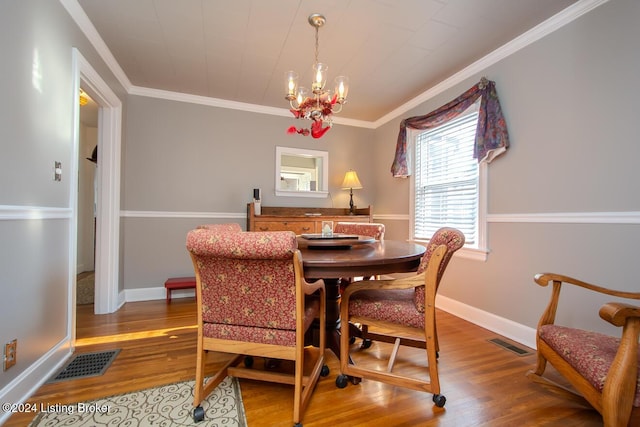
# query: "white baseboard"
x,y
505,327
29,381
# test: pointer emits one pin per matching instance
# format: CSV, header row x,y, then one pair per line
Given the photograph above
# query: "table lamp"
x,y
350,183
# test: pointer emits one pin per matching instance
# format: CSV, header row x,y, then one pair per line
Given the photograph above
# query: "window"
x,y
447,181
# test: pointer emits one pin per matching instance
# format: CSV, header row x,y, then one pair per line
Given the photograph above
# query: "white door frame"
x,y
108,167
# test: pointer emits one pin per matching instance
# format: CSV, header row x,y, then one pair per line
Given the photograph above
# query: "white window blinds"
x,y
446,179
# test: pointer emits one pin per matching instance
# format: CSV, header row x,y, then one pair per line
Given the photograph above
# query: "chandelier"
x,y
320,104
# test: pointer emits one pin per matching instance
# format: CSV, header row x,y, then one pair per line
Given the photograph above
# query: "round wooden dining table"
x,y
331,263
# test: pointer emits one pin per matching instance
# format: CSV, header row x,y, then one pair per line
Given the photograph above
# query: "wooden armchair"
x,y
603,369
253,301
405,309
371,229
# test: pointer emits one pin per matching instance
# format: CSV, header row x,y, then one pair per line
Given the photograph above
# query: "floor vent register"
x,y
86,365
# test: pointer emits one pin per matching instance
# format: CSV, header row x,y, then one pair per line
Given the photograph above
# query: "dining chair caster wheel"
x,y
198,414
439,400
297,425
352,340
366,343
248,361
342,381
324,371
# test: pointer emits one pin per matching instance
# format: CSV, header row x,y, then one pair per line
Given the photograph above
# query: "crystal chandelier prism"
x,y
320,104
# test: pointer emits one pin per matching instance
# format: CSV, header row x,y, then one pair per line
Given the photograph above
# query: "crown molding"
x,y
541,30
232,105
536,33
86,26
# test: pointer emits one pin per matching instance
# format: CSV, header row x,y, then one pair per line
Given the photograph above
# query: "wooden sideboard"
x,y
301,220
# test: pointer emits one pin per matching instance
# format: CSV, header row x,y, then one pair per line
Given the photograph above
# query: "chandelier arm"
x,y
317,45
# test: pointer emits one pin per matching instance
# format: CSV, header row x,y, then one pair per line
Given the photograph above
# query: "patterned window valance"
x,y
492,138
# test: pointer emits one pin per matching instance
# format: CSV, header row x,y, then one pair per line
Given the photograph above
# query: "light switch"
x,y
57,173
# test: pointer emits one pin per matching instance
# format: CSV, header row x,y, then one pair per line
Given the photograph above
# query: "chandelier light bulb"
x,y
302,95
320,77
342,88
291,79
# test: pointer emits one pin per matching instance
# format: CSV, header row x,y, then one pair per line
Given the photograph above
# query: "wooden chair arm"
x,y
307,288
543,279
402,283
617,313
310,288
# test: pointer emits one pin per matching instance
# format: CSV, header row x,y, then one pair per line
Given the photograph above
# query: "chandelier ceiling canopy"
x,y
320,103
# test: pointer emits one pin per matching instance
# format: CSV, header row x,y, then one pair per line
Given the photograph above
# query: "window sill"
x,y
475,254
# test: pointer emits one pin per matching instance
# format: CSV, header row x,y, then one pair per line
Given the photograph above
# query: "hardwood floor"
x,y
484,384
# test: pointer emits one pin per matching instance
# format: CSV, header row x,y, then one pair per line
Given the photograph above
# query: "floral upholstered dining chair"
x,y
371,229
253,301
406,308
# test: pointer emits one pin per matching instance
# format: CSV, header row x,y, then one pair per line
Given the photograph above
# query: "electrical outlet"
x,y
10,354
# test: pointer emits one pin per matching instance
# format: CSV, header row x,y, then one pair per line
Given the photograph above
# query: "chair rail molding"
x,y
170,214
622,217
8,212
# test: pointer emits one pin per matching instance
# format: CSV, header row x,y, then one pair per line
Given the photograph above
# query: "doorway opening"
x,y
107,201
87,199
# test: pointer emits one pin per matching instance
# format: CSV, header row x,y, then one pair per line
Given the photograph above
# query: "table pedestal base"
x,y
332,288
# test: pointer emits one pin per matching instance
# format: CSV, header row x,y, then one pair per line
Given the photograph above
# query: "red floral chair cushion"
x,y
231,227
590,353
391,305
370,229
248,285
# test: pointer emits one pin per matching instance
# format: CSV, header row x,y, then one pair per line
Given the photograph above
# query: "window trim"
x,y
478,252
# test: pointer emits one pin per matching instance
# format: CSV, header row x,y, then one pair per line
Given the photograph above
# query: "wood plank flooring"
x,y
484,384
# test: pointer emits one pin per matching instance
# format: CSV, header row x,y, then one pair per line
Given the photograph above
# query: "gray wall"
x,y
184,160
37,213
570,104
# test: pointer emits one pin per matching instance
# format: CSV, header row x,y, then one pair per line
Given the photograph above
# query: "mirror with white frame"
x,y
301,173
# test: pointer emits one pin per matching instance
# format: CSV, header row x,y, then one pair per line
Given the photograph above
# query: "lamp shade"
x,y
351,181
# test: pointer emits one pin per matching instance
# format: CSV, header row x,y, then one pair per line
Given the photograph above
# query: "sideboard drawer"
x,y
298,227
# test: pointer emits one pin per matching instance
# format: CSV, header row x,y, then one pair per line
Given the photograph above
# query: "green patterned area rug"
x,y
168,405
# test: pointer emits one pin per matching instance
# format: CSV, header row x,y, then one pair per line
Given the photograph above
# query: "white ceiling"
x,y
392,50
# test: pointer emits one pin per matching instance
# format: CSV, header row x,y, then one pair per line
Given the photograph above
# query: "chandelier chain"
x,y
317,44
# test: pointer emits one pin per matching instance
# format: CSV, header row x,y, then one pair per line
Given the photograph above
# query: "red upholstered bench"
x,y
179,283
